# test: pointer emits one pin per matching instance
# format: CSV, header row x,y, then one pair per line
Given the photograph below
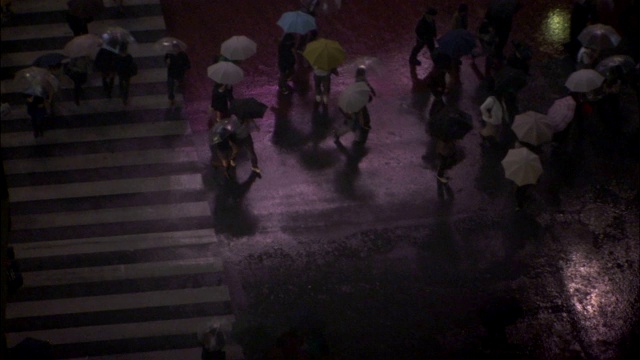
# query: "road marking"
x,y
25,59
37,6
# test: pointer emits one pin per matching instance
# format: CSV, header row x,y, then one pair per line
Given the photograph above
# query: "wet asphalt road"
x,y
365,247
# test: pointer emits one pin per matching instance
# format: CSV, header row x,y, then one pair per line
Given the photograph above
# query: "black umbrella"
x,y
509,79
248,108
31,348
450,124
457,43
49,60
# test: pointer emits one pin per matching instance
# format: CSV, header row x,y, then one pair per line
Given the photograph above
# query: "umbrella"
x,y
371,64
36,81
297,22
324,54
522,166
114,37
169,45
85,8
509,79
584,80
617,63
532,128
49,60
225,72
599,36
248,108
238,47
83,45
450,123
441,60
354,97
457,43
561,113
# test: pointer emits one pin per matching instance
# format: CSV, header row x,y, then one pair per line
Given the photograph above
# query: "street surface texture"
x,y
364,247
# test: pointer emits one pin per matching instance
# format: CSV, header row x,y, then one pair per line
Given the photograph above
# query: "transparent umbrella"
x,y
169,45
599,36
238,47
354,97
36,81
225,72
522,166
532,128
584,80
616,65
83,45
114,37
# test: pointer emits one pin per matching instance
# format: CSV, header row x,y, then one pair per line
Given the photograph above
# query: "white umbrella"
x,y
354,97
83,45
561,113
584,80
522,166
36,81
238,47
599,36
225,72
532,128
169,45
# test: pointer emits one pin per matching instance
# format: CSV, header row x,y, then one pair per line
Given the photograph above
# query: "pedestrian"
x,y
105,63
520,57
500,15
177,65
488,40
221,98
77,69
37,110
583,13
126,68
460,19
426,33
78,25
286,61
587,58
322,81
223,147
243,140
494,114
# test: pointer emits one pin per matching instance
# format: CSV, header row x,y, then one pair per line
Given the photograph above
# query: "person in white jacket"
x,y
494,113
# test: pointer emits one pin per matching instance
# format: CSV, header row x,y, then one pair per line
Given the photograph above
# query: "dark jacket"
x,y
36,107
178,64
426,29
126,67
286,56
220,99
105,61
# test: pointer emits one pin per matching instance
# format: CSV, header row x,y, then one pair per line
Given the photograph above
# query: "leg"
x,y
413,58
317,81
171,85
326,85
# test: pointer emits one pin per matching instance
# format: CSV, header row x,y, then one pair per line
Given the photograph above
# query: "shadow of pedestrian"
x,y
420,94
346,177
315,157
230,214
285,135
490,179
300,80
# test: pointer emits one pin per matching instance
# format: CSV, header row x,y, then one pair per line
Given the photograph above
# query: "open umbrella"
x,y
509,79
615,66
532,128
49,60
522,166
225,72
83,45
584,80
36,81
114,37
354,97
85,8
371,64
599,36
450,123
297,22
324,54
169,45
248,108
561,113
457,43
238,47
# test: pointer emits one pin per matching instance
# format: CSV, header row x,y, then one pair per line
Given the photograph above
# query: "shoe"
x,y
256,170
318,98
325,99
232,163
442,179
285,91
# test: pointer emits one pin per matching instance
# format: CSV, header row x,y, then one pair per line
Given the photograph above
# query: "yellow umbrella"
x,y
324,54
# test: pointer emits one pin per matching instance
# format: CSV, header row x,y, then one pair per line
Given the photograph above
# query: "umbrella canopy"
x,y
615,66
371,64
36,81
238,47
532,128
457,43
599,36
225,72
509,79
561,113
169,45
450,124
522,166
248,108
297,22
83,45
49,60
584,80
220,131
85,8
114,37
324,54
354,97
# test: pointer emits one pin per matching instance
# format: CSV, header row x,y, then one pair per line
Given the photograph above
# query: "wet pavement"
x,y
363,246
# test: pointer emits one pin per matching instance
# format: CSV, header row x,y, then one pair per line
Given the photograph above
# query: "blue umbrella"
x,y
297,22
49,60
457,43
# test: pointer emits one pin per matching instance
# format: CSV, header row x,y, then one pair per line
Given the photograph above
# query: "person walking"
x,y
37,110
460,19
243,140
494,114
322,81
221,98
286,61
126,69
177,65
78,71
500,15
426,33
358,122
105,63
222,146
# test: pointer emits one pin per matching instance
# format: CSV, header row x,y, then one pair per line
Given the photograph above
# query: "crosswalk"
x,y
110,217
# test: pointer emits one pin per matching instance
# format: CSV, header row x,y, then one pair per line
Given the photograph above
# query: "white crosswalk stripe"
x,y
117,279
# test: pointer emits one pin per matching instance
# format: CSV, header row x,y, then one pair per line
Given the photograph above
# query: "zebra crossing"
x,y
110,218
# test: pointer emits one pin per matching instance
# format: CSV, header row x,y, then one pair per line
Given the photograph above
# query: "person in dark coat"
x,y
105,63
126,69
37,110
78,25
583,13
426,33
500,15
78,70
177,65
520,57
221,98
286,61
